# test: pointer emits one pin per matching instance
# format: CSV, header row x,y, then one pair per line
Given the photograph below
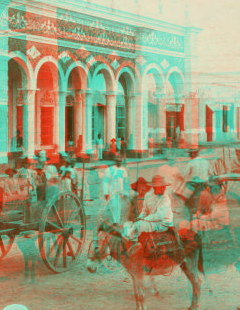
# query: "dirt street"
x,y
78,289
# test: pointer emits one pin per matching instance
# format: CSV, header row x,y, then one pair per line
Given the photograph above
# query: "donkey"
x,y
131,256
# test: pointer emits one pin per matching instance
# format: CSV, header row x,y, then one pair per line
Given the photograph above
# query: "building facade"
x,y
70,72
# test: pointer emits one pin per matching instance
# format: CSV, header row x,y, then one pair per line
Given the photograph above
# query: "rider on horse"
x,y
212,213
156,214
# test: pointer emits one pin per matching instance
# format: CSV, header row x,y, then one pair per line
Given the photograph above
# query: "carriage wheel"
x,y
62,232
6,242
106,215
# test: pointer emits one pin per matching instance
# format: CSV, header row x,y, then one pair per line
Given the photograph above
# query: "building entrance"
x,y
209,116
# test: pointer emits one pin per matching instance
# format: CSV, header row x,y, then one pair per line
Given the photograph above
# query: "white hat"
x,y
15,307
41,155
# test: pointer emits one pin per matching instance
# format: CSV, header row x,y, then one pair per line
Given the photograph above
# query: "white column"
x,y
111,118
61,120
202,120
130,121
4,121
191,84
87,97
191,119
28,101
161,117
77,116
140,135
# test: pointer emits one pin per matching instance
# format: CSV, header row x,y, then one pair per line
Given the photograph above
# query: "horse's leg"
x,y
136,293
154,288
190,268
139,292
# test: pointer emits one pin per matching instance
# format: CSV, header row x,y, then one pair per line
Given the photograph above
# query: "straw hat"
x,y
15,307
63,154
158,181
41,155
140,182
194,149
26,160
10,171
117,158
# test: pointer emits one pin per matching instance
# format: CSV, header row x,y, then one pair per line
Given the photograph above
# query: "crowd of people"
x,y
199,187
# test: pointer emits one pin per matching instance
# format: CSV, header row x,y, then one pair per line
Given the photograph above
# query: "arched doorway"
x,y
154,86
99,108
103,109
124,105
17,82
174,91
46,109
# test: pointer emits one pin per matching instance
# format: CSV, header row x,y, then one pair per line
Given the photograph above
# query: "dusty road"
x,y
78,289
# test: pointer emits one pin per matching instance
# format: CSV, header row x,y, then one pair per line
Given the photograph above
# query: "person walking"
x,y
197,169
115,185
16,148
123,148
150,145
99,146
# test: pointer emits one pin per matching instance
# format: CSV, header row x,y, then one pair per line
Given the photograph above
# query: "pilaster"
x,y
111,117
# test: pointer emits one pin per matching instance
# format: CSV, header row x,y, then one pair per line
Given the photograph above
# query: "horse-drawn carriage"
x,y
56,215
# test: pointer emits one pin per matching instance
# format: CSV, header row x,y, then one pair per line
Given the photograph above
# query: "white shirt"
x,y
157,208
115,179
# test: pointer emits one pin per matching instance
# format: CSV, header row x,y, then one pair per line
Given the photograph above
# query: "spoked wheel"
x,y
62,232
106,217
6,242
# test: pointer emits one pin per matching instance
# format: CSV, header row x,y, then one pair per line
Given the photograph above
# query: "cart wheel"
x,y
106,215
62,232
6,242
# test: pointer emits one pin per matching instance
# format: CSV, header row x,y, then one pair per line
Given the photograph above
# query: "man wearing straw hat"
x,y
198,168
42,175
115,184
212,213
156,214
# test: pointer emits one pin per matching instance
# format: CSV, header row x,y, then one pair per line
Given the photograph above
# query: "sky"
x,y
218,42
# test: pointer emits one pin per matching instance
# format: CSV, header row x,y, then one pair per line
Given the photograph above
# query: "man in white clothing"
x,y
197,169
115,184
156,214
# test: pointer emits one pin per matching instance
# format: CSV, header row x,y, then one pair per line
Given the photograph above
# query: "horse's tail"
x,y
200,258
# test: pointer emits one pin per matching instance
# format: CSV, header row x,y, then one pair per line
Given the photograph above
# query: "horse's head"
x,y
98,250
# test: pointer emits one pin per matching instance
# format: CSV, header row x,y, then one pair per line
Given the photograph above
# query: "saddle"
x,y
157,244
161,250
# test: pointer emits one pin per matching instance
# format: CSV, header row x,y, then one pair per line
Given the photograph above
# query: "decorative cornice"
x,y
107,15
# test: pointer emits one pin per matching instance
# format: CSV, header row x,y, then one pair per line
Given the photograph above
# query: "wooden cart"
x,y
59,221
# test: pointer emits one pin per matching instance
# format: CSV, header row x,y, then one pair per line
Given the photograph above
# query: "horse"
x,y
131,256
108,242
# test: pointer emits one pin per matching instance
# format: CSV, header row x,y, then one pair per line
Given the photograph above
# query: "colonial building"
x,y
219,98
69,71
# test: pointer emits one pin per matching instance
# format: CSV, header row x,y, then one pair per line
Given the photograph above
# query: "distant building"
x,y
69,73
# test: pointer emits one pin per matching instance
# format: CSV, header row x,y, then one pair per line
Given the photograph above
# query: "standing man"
x,y
115,184
150,145
178,133
16,148
123,148
198,168
99,146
